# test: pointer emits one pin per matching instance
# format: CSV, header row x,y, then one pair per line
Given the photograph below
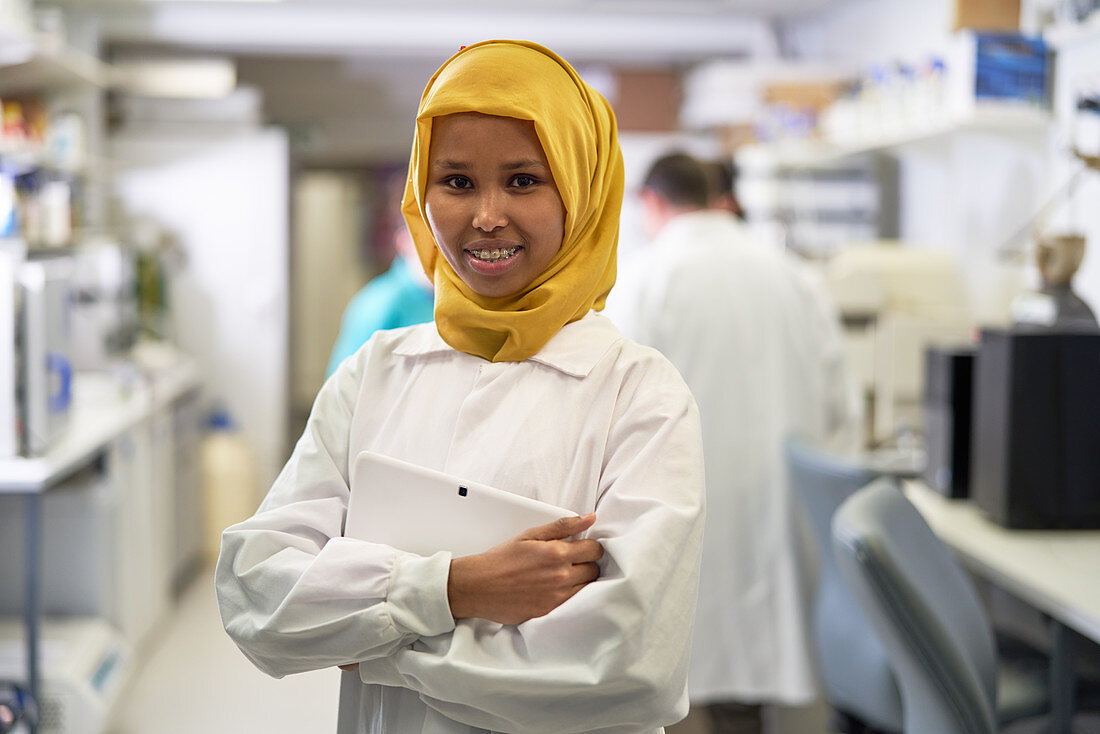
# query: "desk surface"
x,y
1056,571
101,411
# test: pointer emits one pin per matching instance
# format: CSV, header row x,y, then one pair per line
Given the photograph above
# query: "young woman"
x,y
513,199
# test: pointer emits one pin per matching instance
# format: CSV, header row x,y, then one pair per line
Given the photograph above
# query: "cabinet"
x,y
186,555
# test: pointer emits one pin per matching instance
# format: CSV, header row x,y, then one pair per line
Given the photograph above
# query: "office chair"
x,y
856,676
932,624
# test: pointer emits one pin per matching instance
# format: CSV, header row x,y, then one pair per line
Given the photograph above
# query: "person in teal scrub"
x,y
401,296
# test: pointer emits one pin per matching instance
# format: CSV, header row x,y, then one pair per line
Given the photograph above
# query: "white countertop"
x,y
1055,571
103,408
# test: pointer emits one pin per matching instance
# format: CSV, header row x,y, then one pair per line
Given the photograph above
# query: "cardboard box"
x,y
987,15
807,95
647,100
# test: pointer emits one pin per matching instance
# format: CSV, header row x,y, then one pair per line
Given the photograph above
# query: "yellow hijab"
x,y
577,130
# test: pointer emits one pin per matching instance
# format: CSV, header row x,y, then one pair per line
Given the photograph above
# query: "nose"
x,y
489,213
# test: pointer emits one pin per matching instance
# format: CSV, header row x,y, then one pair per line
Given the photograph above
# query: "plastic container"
x,y
9,224
230,480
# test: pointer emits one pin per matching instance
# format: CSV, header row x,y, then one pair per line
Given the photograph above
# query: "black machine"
x,y
1035,451
948,377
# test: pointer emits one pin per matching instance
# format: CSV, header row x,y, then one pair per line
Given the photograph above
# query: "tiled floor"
x,y
196,681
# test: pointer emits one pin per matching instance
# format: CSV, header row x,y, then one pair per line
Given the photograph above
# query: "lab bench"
x,y
108,519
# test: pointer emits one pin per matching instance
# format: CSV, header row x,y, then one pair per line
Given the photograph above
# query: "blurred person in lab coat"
x,y
758,342
581,625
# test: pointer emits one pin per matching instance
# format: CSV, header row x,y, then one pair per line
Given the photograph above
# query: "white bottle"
x,y
230,480
1086,125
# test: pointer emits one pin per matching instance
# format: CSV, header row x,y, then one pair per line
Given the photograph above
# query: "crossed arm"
x,y
525,577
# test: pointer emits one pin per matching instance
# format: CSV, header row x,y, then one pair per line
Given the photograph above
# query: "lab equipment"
x,y
104,308
85,664
10,258
896,300
1055,304
948,381
1005,71
1036,435
44,343
17,707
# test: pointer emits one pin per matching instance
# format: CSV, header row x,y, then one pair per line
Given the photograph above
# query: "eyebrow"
x,y
525,163
453,165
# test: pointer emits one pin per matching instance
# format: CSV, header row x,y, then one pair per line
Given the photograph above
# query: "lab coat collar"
x,y
575,350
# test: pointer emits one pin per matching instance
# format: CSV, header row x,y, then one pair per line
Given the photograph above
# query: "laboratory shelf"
x,y
16,44
102,409
1027,123
24,158
54,66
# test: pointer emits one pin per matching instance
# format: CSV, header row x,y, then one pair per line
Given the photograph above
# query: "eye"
x,y
524,181
458,182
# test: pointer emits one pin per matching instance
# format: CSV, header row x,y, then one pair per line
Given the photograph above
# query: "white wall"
x,y
225,200
969,194
866,32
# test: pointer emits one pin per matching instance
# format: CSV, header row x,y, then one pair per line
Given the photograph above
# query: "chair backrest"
x,y
854,668
925,611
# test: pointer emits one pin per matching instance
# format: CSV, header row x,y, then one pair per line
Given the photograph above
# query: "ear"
x,y
647,195
652,202
654,211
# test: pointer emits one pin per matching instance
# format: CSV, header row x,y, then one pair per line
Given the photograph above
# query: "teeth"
x,y
493,255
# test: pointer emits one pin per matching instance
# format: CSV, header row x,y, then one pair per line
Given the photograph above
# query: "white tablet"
x,y
424,511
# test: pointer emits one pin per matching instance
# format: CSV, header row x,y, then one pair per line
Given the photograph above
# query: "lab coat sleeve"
x,y
613,658
295,595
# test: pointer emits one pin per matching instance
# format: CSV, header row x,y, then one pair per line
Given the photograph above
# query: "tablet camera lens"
x,y
462,491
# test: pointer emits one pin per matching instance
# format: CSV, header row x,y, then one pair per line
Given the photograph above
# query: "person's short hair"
x,y
721,175
680,179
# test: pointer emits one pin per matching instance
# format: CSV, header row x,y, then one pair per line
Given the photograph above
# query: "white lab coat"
x,y
591,422
758,343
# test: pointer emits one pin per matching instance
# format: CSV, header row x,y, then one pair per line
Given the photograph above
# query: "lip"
x,y
493,268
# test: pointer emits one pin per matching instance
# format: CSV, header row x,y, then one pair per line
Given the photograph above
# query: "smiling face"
x,y
491,201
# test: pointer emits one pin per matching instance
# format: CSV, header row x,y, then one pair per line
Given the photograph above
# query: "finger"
x,y
585,551
564,527
585,573
350,666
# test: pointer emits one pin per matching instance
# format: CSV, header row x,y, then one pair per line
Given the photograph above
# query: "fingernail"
x,y
589,516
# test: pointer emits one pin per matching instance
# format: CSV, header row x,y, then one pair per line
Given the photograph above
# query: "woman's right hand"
x,y
527,576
